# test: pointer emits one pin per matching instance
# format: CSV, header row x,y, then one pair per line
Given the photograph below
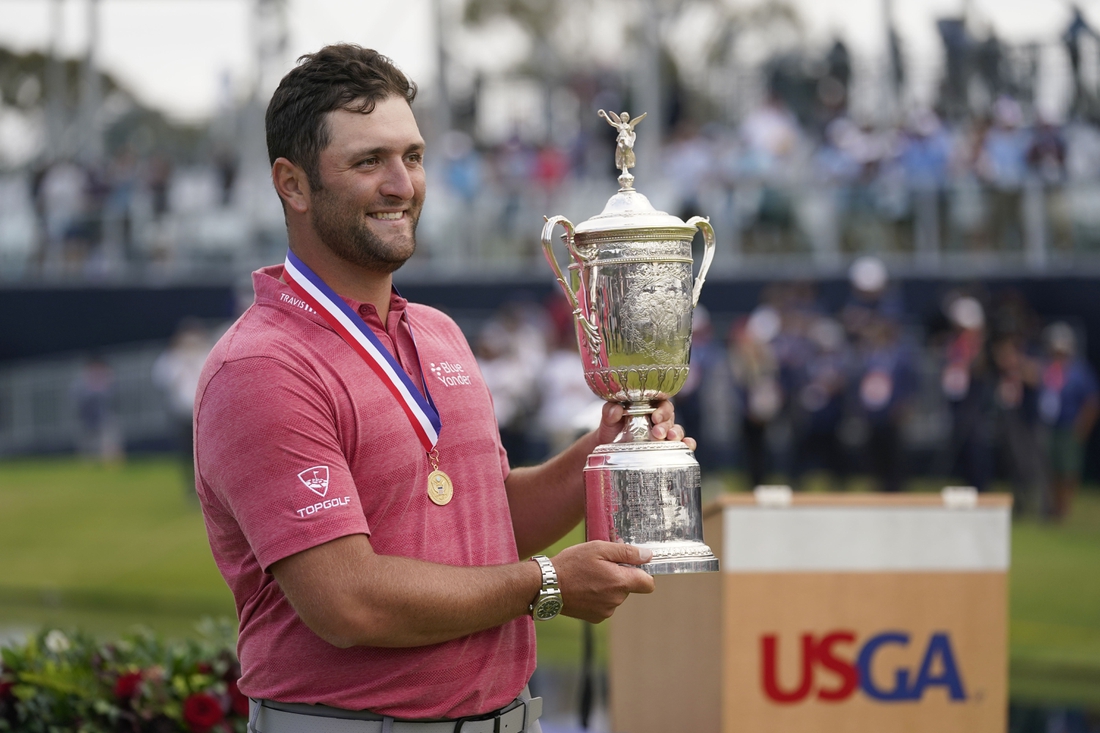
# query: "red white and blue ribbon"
x,y
419,407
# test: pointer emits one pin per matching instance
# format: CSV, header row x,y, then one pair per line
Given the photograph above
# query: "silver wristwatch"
x,y
548,602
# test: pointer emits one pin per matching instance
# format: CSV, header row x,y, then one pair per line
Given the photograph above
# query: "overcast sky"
x,y
184,56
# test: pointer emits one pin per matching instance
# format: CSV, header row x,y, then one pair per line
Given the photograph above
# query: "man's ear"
x,y
292,184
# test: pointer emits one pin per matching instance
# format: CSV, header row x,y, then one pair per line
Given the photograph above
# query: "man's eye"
x,y
367,162
415,158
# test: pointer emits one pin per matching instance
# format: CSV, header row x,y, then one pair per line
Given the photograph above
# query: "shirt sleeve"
x,y
268,451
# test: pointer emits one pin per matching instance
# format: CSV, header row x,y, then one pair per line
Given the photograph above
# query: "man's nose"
x,y
398,182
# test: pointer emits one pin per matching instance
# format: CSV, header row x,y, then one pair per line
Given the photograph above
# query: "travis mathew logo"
x,y
315,479
296,302
449,373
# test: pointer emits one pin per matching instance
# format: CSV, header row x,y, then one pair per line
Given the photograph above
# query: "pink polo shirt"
x,y
297,443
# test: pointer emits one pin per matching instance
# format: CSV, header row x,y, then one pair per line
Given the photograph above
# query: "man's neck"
x,y
347,279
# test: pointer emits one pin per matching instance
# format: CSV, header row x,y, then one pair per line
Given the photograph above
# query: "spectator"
x,y
1046,158
65,190
176,372
688,165
886,387
462,166
569,408
819,407
772,141
756,375
508,368
95,395
1069,402
1015,436
1002,165
870,298
117,222
691,400
967,384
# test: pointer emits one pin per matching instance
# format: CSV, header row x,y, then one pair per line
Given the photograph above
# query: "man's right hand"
x,y
594,580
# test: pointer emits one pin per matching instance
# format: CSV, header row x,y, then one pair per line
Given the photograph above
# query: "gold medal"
x,y
440,488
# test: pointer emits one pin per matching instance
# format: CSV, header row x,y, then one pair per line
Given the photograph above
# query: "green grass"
x,y
1054,602
104,548
108,548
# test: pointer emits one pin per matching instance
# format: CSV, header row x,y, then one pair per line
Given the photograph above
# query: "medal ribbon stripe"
x,y
312,289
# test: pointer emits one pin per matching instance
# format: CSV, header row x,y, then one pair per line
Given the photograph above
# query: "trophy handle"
x,y
708,254
590,331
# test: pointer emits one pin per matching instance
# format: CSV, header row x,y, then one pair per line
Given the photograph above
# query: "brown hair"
x,y
342,76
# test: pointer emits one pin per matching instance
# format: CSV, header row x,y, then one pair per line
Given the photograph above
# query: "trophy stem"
x,y
637,424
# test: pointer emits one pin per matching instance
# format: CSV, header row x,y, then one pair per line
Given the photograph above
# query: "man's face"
x,y
372,175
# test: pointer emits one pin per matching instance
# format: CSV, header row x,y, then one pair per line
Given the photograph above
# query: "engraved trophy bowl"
x,y
630,287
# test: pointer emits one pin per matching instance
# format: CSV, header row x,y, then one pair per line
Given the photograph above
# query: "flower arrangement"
x,y
138,684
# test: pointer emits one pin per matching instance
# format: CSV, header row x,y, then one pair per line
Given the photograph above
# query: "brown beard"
x,y
349,237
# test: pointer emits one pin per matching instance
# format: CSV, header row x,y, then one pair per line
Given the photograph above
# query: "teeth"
x,y
389,215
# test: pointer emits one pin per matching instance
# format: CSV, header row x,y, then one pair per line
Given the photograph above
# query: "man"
x,y
356,496
1069,405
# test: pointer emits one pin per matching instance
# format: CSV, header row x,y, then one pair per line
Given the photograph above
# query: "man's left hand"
x,y
662,424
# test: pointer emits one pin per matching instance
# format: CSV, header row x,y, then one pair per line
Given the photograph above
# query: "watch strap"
x,y
549,574
548,602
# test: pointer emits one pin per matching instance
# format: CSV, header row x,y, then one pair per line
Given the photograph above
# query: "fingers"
x,y
623,553
611,422
665,414
596,577
664,423
663,418
613,414
665,427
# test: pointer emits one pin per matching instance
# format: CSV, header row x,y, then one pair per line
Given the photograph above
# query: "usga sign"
x,y
849,666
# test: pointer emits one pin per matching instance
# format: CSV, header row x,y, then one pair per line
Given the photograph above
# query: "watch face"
x,y
547,607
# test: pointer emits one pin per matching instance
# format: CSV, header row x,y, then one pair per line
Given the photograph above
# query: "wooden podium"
x,y
859,613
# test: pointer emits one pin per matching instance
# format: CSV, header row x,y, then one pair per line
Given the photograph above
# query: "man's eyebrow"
x,y
416,147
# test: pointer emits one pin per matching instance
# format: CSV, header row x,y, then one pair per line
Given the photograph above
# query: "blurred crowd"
x,y
72,217
923,183
979,392
772,182
811,394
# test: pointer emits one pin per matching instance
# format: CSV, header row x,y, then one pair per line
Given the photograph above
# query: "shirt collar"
x,y
270,288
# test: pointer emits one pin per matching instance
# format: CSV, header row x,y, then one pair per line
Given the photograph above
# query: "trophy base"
x,y
670,558
647,494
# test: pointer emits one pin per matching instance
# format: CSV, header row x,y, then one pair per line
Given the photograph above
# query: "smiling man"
x,y
357,498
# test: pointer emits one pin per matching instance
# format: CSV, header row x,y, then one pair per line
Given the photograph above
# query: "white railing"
x,y
761,229
38,409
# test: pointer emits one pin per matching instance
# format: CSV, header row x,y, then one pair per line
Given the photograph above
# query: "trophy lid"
x,y
629,210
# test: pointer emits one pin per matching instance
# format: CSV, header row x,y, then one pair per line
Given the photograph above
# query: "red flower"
x,y
238,703
126,685
202,712
5,689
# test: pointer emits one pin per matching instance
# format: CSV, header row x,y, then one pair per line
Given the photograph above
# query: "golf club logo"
x,y
315,479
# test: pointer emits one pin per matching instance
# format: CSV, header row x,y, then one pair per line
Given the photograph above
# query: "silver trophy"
x,y
631,291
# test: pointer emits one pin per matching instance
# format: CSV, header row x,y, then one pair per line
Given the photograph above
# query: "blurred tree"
x,y
24,86
700,44
539,19
23,80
